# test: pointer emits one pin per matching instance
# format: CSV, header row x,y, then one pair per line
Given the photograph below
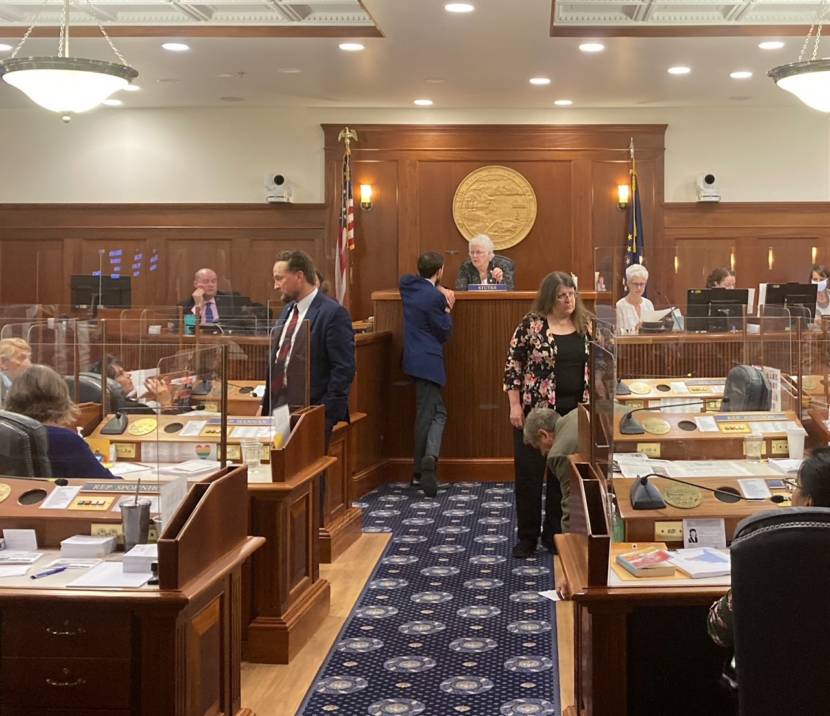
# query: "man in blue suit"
x,y
332,340
427,326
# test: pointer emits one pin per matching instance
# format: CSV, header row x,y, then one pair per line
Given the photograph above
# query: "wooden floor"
x,y
279,690
271,690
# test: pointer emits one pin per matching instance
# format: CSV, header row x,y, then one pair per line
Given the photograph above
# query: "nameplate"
x,y
119,486
486,286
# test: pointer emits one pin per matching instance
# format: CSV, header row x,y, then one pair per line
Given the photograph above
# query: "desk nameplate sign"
x,y
120,486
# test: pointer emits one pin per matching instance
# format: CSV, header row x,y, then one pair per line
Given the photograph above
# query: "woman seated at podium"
x,y
721,277
484,266
630,306
40,393
546,368
818,275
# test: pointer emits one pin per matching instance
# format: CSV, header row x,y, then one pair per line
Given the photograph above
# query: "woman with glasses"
x,y
484,266
810,489
546,368
630,306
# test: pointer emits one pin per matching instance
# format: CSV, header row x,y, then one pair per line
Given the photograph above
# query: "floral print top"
x,y
531,358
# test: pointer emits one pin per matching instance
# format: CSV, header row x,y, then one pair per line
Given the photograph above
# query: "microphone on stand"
x,y
631,426
645,496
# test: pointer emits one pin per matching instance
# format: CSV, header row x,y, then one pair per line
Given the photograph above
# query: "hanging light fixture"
x,y
63,83
809,80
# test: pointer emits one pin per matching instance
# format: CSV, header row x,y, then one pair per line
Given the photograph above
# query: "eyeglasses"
x,y
792,484
637,284
476,252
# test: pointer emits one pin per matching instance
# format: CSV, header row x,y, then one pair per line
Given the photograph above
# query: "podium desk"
x,y
478,435
726,442
648,392
167,650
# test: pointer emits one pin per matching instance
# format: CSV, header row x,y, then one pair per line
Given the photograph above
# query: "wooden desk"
x,y
241,401
157,651
650,391
679,444
478,436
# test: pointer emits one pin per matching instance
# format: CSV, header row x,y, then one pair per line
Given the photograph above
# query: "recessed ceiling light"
x,y
423,102
176,47
289,70
563,102
540,81
4,47
740,75
459,7
112,103
132,88
592,47
351,46
679,70
771,45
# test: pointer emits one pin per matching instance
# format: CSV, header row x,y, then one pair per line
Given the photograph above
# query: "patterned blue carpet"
x,y
449,623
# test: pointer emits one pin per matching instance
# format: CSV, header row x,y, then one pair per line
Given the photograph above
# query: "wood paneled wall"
x,y
415,170
42,245
767,241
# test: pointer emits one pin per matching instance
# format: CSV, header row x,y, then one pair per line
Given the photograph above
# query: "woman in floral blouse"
x,y
546,368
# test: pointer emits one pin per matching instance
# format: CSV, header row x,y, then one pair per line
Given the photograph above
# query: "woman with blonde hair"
x,y
40,393
546,368
630,307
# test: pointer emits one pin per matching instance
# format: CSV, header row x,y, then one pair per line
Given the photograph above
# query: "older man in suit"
x,y
427,326
332,340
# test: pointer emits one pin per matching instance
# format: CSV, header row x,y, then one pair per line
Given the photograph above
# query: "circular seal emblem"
x,y
685,497
497,201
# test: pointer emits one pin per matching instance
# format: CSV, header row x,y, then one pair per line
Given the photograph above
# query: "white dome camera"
x,y
278,189
707,187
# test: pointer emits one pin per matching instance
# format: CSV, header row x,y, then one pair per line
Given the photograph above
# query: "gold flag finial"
x,y
347,136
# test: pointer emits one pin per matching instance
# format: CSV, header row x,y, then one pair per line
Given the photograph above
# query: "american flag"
x,y
345,236
634,239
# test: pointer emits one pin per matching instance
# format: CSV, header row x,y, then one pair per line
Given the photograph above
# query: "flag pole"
x,y
345,236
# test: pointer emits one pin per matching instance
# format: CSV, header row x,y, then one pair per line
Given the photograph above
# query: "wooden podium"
x,y
284,598
171,650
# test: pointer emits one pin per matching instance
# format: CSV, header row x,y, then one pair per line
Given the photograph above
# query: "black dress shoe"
x,y
524,549
548,543
428,482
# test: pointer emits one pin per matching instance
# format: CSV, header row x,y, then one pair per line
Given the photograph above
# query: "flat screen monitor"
x,y
101,291
799,297
716,309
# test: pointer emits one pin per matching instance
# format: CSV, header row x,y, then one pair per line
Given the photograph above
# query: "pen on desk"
x,y
47,572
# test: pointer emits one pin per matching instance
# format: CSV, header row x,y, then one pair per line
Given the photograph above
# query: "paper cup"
x,y
795,443
251,453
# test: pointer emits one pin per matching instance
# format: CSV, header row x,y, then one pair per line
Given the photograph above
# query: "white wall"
x,y
221,155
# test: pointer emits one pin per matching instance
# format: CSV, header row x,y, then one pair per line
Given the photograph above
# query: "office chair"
x,y
89,389
747,388
24,446
780,583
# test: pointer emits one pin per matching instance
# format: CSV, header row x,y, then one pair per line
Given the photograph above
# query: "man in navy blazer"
x,y
427,326
332,337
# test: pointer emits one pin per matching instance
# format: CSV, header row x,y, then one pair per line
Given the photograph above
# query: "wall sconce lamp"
x,y
623,195
366,197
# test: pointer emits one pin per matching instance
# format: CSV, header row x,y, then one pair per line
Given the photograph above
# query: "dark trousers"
x,y
529,466
430,419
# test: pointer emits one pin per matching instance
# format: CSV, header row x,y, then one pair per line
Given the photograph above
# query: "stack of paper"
x,y
87,546
141,557
701,562
192,467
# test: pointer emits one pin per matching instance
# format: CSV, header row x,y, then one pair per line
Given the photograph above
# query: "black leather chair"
x,y
747,388
780,591
24,446
89,389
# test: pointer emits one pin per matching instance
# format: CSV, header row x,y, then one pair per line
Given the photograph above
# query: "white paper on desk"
x,y
192,429
110,575
191,467
551,594
648,315
139,377
14,570
754,488
20,540
708,468
8,556
171,495
281,425
710,532
74,562
679,387
678,405
785,464
60,498
706,424
127,468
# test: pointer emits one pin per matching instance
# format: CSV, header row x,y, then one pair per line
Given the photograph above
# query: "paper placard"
x,y
60,498
20,540
709,532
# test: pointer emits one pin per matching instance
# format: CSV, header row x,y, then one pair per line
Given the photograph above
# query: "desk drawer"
x,y
65,683
68,632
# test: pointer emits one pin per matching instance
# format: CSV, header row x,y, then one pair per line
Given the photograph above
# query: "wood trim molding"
x,y
229,31
760,216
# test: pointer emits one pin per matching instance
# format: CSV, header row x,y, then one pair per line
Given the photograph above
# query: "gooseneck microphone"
x,y
645,496
630,426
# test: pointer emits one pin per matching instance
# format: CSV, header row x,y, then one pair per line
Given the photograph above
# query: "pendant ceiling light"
x,y
809,80
63,83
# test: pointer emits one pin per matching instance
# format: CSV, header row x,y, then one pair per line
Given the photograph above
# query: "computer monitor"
x,y
799,297
101,291
716,309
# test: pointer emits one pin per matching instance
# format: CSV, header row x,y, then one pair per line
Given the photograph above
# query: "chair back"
x,y
747,388
24,446
89,389
780,588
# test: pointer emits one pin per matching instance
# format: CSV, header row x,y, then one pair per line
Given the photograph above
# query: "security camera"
x,y
278,189
707,188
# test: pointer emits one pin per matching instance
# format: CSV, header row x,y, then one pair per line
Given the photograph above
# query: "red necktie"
x,y
278,371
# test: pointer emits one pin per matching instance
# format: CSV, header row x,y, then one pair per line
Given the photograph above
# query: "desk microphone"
x,y
59,481
631,426
645,496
